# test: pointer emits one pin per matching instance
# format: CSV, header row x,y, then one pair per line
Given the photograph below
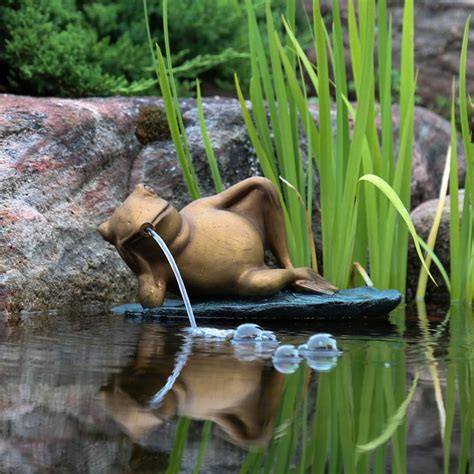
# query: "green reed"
x,y
364,183
461,225
364,224
164,71
357,222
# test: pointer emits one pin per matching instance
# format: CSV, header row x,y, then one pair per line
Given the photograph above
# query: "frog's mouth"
x,y
141,232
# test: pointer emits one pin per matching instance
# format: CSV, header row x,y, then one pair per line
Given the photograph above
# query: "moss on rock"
x,y
152,125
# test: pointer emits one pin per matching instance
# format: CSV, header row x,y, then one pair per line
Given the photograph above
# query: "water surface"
x,y
76,391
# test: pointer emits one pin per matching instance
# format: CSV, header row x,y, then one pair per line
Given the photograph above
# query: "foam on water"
x,y
211,333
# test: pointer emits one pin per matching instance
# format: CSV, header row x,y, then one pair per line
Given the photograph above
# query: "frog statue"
x,y
218,242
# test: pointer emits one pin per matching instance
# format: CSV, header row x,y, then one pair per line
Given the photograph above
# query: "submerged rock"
x,y
67,164
423,217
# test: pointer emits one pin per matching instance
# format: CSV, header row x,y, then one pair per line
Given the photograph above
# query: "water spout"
x,y
174,267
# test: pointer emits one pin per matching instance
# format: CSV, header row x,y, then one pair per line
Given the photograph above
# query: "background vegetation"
x,y
83,48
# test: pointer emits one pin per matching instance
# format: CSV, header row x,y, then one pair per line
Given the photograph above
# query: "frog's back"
x,y
222,245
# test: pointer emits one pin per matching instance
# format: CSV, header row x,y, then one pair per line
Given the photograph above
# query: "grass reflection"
x,y
460,390
353,418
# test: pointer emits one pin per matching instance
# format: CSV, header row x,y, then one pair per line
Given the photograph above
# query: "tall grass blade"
x,y
423,278
205,436
216,177
172,115
398,205
314,262
467,214
437,262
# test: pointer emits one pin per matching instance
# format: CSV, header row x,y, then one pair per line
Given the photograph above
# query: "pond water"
x,y
76,391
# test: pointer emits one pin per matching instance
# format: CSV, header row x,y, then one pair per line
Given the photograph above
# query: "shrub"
x,y
87,47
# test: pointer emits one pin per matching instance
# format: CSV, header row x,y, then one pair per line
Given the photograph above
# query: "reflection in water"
x,y
75,393
241,398
181,360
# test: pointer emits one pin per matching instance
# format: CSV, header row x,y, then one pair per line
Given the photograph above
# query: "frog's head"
x,y
142,209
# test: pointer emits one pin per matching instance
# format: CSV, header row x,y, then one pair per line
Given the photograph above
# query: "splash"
x,y
177,274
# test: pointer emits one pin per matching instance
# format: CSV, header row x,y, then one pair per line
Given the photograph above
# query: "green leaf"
x,y
400,208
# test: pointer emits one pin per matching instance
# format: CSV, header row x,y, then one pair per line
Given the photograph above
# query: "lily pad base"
x,y
352,303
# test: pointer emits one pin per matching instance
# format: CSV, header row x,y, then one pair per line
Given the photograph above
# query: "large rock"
x,y
431,139
66,164
439,26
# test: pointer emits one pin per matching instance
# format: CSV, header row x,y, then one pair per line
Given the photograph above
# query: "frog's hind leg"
x,y
267,281
264,281
256,199
259,203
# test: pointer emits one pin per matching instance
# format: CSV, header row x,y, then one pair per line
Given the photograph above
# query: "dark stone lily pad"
x,y
353,303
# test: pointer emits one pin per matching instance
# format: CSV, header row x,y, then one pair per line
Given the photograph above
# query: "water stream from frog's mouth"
x,y
177,274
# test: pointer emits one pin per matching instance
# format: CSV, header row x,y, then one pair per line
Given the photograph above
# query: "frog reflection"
x,y
240,397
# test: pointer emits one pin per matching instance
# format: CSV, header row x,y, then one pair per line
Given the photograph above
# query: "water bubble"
x,y
286,359
268,336
321,344
286,351
321,364
322,341
248,331
320,352
286,367
250,342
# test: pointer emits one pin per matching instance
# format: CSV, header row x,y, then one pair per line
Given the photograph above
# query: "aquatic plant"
x,y
351,214
461,225
364,182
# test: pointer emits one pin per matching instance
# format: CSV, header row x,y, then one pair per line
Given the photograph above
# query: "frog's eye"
x,y
149,189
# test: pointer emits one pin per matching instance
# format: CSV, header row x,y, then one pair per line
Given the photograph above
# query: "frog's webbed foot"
x,y
311,282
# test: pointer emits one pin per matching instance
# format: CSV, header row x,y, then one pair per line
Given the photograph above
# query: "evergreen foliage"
x,y
86,47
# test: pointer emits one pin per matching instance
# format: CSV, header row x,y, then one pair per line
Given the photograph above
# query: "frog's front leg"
x,y
151,291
